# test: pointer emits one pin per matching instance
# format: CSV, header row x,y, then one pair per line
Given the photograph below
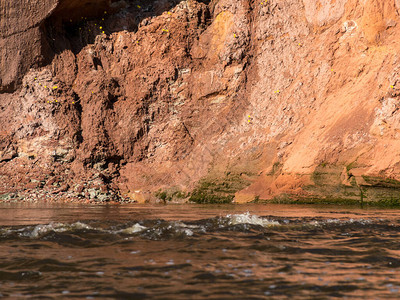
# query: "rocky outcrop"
x,y
26,39
202,100
20,39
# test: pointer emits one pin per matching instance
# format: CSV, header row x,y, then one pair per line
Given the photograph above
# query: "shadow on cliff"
x,y
74,25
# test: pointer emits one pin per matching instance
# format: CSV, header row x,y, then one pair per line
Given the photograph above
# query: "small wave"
x,y
133,229
153,229
248,218
341,222
162,229
40,230
167,230
43,229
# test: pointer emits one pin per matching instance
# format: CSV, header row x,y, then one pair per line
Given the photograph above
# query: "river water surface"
x,y
54,251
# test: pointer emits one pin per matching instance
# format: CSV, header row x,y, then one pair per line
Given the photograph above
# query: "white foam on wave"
x,y
187,229
341,222
180,227
133,229
188,232
248,218
43,229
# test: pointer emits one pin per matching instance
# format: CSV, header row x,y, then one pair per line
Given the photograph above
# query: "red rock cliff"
x,y
207,100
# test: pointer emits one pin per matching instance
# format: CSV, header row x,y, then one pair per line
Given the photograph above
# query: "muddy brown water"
x,y
54,251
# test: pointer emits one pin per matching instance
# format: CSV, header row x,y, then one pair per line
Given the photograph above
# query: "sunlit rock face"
x,y
230,99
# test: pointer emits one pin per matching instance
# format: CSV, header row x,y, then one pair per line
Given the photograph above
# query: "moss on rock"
x,y
221,190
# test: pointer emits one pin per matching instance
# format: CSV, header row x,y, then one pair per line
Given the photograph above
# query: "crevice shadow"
x,y
70,28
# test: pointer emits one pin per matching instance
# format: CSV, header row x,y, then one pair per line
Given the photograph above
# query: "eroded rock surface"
x,y
200,100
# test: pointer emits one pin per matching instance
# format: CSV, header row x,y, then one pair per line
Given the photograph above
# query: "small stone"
x,y
62,189
93,193
79,188
102,197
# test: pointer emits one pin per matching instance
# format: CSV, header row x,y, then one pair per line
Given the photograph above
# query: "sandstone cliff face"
x,y
207,100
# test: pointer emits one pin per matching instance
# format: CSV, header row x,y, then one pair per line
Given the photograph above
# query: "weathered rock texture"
x,y
207,100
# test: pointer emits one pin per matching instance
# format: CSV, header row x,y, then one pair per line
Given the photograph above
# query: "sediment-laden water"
x,y
198,252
